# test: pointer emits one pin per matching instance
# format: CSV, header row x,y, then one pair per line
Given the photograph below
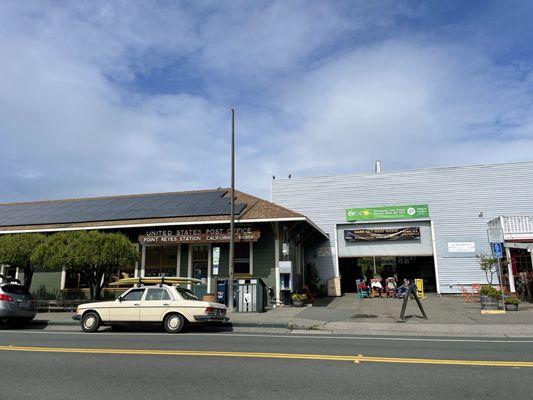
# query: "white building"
x,y
426,223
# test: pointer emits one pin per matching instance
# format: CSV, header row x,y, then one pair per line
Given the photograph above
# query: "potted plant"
x,y
511,303
488,297
298,299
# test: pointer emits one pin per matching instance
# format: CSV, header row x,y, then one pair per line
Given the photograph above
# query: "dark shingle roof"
x,y
162,205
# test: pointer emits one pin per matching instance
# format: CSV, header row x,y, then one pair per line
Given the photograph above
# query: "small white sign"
x,y
247,297
215,270
285,249
216,257
461,247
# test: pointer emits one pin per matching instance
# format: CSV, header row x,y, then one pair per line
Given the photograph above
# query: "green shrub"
x,y
489,291
42,293
299,297
512,300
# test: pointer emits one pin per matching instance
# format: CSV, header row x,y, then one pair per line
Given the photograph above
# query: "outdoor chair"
x,y
375,292
390,287
362,294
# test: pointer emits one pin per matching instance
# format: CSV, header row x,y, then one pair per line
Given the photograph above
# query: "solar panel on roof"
x,y
119,208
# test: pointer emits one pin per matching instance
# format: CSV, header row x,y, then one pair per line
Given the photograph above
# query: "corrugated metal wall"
x,y
461,202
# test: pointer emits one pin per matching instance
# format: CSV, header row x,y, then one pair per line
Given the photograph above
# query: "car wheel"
x,y
90,322
118,328
174,323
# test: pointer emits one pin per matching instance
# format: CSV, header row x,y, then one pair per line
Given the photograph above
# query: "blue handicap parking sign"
x,y
497,250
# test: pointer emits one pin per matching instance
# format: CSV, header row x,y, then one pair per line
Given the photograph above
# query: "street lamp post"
x,y
232,221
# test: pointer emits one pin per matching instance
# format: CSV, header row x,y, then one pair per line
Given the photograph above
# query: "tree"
x,y
95,253
16,250
489,265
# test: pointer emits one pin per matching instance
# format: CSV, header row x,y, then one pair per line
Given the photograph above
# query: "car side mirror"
x,y
119,298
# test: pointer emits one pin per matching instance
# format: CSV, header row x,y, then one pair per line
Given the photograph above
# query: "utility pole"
x,y
232,211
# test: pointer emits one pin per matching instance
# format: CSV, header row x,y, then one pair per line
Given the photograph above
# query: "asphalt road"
x,y
48,364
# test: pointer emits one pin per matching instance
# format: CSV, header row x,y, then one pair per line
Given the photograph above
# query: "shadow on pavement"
x,y
159,328
7,326
323,302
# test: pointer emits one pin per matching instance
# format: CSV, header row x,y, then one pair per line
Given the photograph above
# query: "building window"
x,y
75,279
160,260
200,261
10,272
242,258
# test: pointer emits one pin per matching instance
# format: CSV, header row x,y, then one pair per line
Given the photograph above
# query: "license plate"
x,y
25,304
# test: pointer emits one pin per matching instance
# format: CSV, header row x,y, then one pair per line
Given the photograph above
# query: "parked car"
x,y
173,306
16,303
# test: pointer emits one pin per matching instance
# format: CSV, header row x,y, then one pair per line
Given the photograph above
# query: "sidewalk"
x,y
448,316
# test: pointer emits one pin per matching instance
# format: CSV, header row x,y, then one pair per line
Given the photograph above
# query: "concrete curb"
x,y
435,330
42,322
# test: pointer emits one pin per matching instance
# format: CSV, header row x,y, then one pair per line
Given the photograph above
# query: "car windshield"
x,y
186,294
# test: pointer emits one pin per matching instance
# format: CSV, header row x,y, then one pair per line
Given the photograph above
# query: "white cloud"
x,y
408,104
320,89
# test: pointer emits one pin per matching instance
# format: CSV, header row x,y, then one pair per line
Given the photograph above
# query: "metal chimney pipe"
x,y
378,167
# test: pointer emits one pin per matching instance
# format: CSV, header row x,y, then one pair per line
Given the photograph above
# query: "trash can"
x,y
251,295
222,291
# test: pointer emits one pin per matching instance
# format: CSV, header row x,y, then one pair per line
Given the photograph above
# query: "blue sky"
x,y
101,98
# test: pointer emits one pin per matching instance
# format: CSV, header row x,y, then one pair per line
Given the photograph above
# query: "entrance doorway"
x,y
200,261
404,267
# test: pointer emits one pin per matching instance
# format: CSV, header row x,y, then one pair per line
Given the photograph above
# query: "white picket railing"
x,y
514,225
510,228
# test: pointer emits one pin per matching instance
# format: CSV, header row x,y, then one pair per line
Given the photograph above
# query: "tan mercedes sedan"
x,y
173,306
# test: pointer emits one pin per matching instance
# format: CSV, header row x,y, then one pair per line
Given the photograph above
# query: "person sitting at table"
x,y
402,290
376,286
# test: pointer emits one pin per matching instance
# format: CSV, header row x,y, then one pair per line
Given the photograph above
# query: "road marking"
x,y
289,356
287,336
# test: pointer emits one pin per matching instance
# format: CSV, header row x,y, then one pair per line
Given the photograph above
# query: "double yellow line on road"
x,y
287,356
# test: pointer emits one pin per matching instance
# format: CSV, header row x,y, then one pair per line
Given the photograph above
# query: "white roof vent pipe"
x,y
378,167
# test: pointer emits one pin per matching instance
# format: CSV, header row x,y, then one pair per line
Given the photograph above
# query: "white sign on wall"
x,y
216,257
461,247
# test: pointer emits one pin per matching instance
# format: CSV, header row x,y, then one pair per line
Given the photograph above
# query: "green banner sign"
x,y
388,212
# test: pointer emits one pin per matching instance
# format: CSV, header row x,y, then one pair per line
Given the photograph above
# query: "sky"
x,y
118,97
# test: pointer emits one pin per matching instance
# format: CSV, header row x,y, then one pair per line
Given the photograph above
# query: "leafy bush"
x,y
512,300
489,291
42,293
298,297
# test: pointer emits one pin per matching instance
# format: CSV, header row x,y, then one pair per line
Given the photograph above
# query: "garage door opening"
x,y
404,267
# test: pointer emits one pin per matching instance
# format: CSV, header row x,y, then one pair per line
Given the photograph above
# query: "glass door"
x,y
200,261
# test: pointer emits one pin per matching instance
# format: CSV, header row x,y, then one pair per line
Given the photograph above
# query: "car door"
x,y
154,305
128,308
